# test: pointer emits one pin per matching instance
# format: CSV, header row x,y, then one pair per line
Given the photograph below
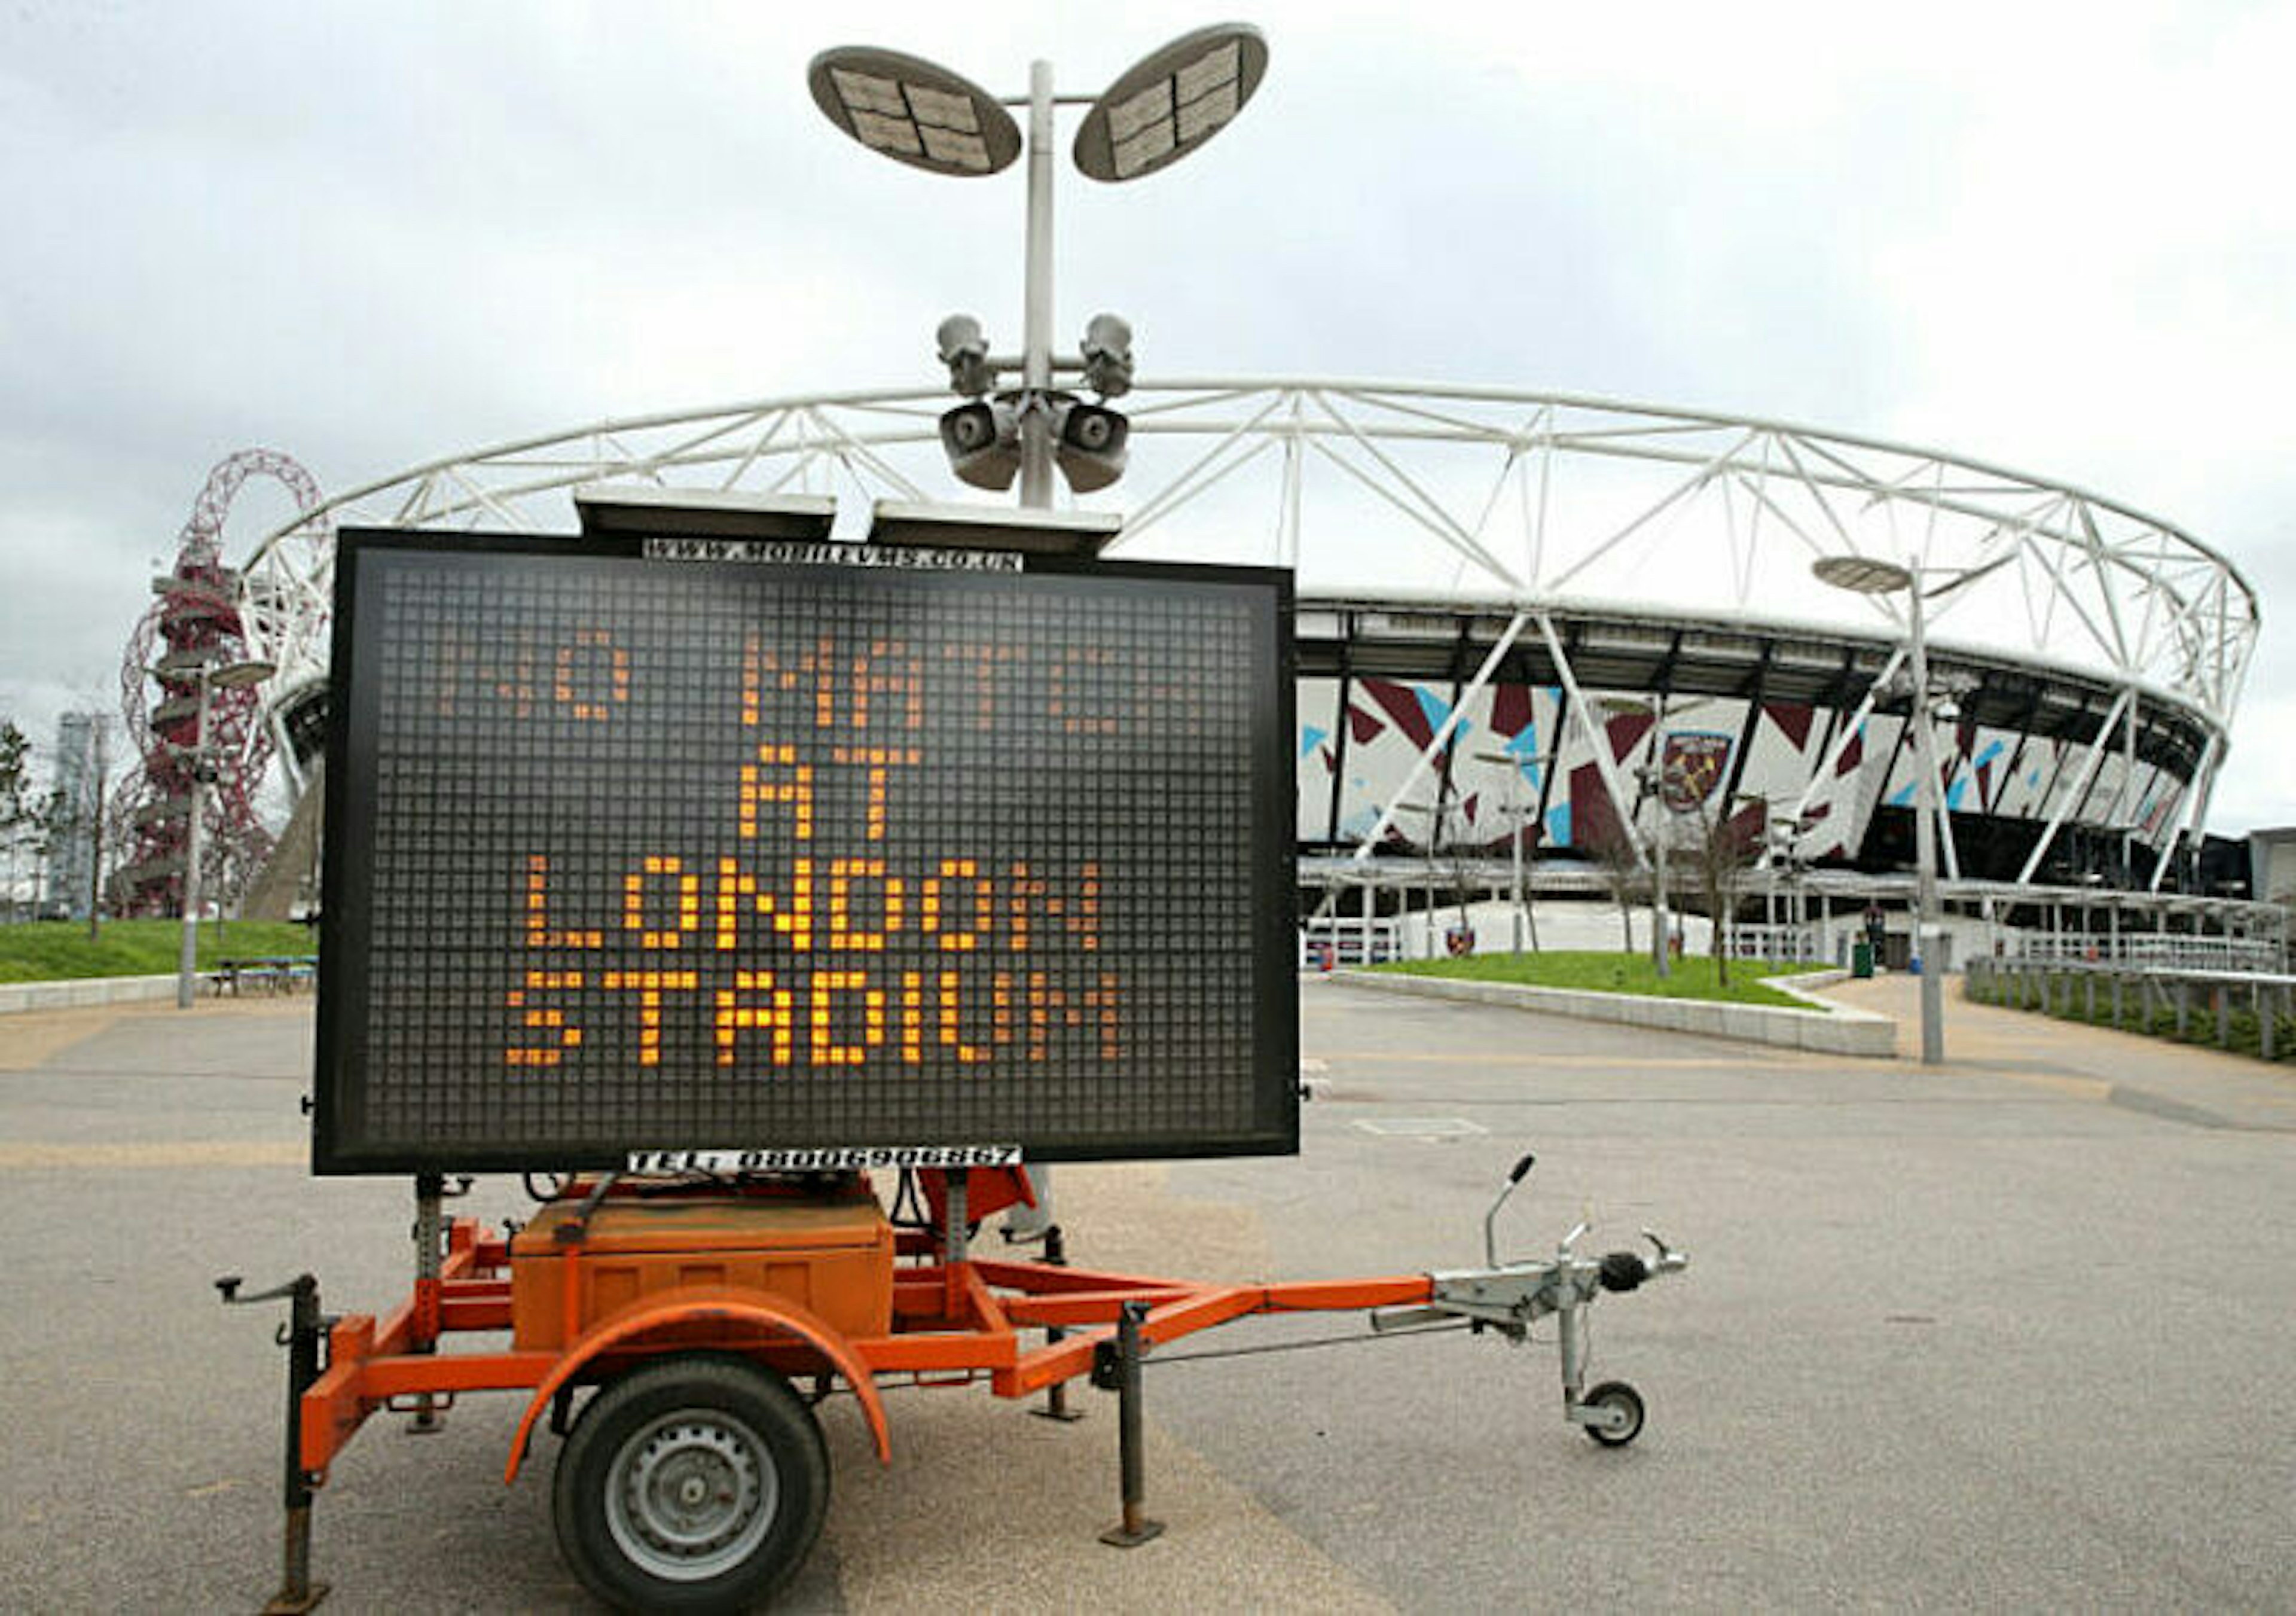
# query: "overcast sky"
x,y
2056,237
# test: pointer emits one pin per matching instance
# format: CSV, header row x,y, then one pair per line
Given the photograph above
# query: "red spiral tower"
x,y
196,621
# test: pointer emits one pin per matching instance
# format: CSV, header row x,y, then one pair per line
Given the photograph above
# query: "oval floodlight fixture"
x,y
1171,102
913,111
1862,574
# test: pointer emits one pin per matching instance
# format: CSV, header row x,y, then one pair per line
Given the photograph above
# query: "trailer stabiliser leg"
x,y
1121,1370
430,1235
1056,1395
301,1335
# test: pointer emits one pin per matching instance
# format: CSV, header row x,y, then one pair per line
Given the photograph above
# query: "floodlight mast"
x,y
930,117
1159,110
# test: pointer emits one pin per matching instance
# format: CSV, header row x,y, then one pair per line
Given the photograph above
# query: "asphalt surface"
x,y
2009,1333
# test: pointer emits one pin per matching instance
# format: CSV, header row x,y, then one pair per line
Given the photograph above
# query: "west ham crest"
x,y
1691,767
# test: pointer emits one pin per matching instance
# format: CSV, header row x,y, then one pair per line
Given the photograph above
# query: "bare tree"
x,y
107,825
20,811
115,847
1726,843
1603,837
53,828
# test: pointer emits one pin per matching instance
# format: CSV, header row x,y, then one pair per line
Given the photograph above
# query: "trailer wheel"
x,y
696,1482
1619,1396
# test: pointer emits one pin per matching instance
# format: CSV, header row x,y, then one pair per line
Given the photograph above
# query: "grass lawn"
x,y
45,950
1590,972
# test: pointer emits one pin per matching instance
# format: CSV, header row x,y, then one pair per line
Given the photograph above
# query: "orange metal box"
x,y
833,1257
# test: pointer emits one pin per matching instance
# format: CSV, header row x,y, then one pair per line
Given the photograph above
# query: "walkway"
x,y
2180,1082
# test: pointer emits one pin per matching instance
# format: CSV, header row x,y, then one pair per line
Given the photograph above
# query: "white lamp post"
x,y
1513,763
916,112
1866,575
229,675
1439,813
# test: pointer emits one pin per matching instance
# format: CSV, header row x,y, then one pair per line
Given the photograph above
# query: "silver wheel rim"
x,y
1628,1411
691,1495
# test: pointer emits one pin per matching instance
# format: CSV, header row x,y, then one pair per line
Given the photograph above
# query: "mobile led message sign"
x,y
665,845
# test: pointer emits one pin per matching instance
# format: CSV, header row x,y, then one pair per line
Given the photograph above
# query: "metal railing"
x,y
2249,1011
1349,940
2170,950
1776,940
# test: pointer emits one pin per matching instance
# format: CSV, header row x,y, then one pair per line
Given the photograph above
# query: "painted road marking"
x,y
1422,1128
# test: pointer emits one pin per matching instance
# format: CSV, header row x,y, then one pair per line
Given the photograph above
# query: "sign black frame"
x,y
339,1142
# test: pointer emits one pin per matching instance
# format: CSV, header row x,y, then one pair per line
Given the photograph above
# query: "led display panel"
x,y
672,844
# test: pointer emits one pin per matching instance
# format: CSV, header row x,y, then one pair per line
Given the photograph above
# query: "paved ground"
x,y
2009,1333
2181,1082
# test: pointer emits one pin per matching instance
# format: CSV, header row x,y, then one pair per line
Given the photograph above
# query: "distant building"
x,y
71,846
2272,865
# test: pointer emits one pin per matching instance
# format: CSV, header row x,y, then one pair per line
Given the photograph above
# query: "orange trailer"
x,y
706,1317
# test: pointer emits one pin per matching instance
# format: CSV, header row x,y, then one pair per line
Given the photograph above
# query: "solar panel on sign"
x,y
1170,102
913,110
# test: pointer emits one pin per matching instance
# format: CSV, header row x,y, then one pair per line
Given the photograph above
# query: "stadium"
x,y
1517,610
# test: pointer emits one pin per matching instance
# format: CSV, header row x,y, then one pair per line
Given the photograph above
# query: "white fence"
x,y
1779,941
1349,940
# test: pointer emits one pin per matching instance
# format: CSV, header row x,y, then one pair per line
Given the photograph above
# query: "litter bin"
x,y
1861,960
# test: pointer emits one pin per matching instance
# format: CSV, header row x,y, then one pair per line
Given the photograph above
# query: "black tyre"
x,y
1616,1395
696,1482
